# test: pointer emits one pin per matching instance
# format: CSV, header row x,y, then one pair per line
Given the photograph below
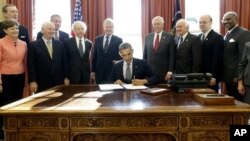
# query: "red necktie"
x,y
156,43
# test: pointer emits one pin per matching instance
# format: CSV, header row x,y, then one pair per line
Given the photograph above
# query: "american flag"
x,y
78,11
177,15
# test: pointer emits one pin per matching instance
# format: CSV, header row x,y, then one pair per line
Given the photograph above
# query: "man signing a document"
x,y
132,70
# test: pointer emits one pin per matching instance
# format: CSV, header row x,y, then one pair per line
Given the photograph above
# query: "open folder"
x,y
106,87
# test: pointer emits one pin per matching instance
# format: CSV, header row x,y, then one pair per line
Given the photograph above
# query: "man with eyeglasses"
x,y
234,41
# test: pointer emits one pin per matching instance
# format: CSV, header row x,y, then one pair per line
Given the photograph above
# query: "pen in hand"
x,y
133,80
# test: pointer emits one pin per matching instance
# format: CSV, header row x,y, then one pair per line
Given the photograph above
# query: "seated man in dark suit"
x,y
132,70
59,35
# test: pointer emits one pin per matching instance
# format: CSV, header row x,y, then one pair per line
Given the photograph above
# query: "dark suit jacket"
x,y
102,62
45,71
212,54
188,56
232,53
140,70
78,67
23,33
163,60
62,36
244,66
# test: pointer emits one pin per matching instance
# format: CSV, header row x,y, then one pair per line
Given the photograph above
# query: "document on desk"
x,y
133,87
106,87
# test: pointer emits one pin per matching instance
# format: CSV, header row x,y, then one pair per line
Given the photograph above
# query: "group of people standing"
x,y
54,58
226,58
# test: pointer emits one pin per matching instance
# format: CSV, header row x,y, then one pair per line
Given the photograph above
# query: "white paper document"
x,y
105,87
133,87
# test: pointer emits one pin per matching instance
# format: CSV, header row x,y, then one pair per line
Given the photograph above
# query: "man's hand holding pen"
x,y
138,82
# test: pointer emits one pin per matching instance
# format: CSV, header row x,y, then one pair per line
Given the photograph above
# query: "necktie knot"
x,y
179,41
56,35
227,35
203,37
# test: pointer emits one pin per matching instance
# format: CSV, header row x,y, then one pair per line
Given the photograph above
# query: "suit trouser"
x,y
232,90
246,97
12,91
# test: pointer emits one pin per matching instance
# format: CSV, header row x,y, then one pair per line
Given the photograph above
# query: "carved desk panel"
x,y
83,113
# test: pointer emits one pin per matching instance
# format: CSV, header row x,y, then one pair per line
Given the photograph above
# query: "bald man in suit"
x,y
212,44
234,43
159,50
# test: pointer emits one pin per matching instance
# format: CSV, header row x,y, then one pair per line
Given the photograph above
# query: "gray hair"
x,y
158,18
81,23
183,21
108,21
46,24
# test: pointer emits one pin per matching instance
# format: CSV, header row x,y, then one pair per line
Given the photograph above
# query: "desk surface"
x,y
77,113
88,99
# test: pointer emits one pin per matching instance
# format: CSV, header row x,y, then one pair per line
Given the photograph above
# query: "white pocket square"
x,y
231,40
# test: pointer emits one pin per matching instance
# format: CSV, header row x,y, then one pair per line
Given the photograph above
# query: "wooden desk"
x,y
82,113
